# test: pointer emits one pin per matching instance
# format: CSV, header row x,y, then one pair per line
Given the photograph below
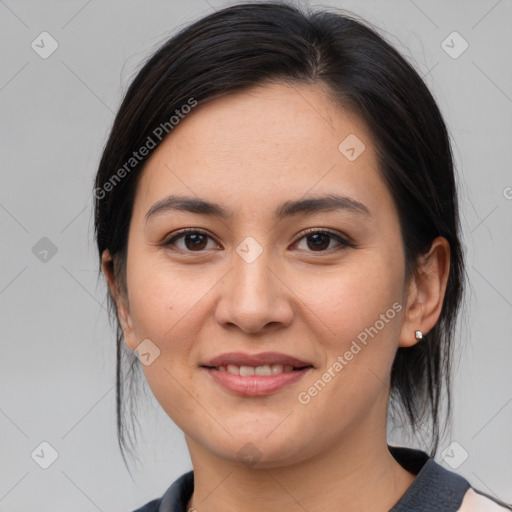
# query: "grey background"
x,y
57,349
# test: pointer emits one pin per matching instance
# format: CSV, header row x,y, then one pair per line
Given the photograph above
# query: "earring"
x,y
419,335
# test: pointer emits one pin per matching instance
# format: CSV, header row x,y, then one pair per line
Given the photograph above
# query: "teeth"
x,y
262,370
266,369
246,370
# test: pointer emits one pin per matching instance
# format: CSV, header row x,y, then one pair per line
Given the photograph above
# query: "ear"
x,y
122,303
426,292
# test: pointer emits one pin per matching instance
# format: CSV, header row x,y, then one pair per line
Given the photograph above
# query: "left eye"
x,y
195,240
321,240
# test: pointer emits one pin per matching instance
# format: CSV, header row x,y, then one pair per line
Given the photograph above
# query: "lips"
x,y
255,360
256,374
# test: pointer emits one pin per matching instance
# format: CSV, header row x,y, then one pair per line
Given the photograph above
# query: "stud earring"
x,y
419,335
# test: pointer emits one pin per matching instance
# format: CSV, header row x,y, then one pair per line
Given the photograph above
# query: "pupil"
x,y
196,240
318,237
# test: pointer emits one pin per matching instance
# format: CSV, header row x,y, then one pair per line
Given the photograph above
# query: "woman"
x,y
277,221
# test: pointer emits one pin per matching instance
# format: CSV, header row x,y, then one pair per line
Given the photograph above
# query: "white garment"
x,y
474,502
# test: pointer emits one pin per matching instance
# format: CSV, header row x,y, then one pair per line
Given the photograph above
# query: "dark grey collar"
x,y
434,489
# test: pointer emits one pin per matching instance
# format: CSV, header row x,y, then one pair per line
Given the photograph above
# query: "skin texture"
x,y
250,152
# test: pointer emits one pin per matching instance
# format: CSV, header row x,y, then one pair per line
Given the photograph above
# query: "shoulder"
x,y
175,498
477,501
438,489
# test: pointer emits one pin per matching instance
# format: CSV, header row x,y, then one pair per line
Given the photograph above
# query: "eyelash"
x,y
343,242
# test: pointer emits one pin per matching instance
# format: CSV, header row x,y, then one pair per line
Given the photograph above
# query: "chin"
x,y
259,450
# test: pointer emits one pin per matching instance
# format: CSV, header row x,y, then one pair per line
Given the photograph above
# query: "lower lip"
x,y
256,385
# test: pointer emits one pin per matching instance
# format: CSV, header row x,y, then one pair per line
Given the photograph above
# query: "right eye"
x,y
194,240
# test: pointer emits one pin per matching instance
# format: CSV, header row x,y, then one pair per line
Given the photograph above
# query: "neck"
x,y
356,474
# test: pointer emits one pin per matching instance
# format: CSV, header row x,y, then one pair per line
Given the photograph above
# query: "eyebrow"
x,y
324,203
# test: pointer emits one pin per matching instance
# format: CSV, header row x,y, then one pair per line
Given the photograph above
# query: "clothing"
x,y
435,489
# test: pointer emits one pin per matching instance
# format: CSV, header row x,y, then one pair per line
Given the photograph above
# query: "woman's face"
x,y
253,282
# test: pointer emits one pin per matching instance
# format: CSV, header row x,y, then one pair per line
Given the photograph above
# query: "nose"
x,y
254,297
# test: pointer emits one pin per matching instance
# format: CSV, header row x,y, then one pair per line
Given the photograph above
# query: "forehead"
x,y
269,141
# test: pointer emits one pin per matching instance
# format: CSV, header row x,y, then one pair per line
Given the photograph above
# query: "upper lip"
x,y
243,359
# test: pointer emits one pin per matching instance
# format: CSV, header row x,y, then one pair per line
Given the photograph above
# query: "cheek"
x,y
352,298
361,312
162,299
167,307
166,311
